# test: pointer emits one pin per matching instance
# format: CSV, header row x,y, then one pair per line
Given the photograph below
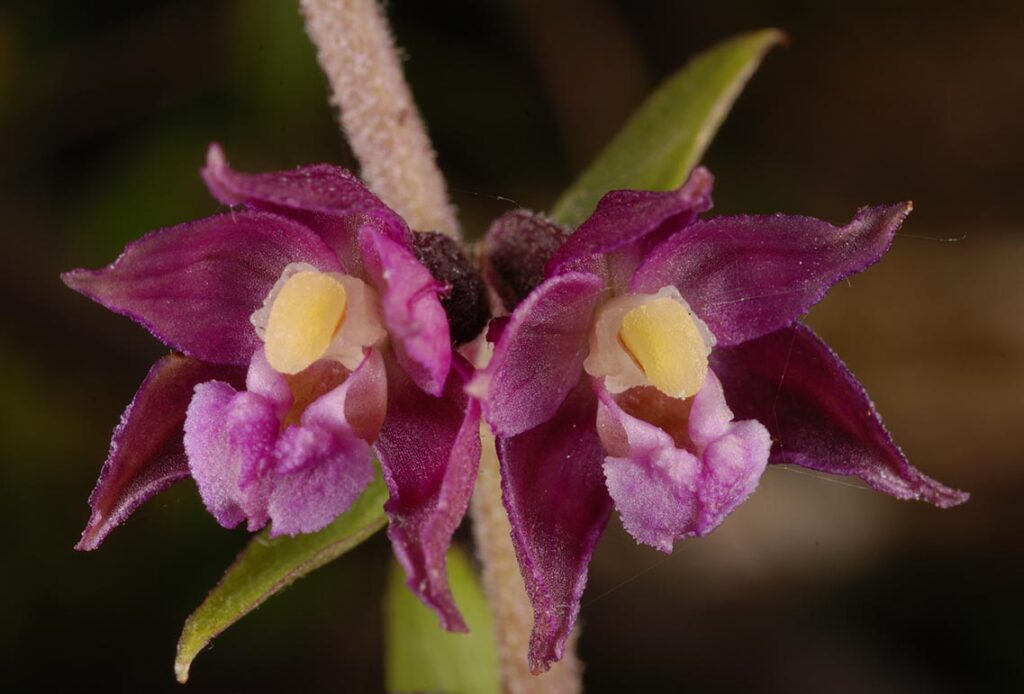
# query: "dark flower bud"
x,y
518,246
465,296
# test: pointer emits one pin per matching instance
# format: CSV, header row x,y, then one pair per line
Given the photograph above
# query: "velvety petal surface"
x,y
624,217
412,311
818,414
323,469
747,276
539,357
146,453
195,285
325,463
328,199
516,250
554,491
429,451
664,492
289,449
229,439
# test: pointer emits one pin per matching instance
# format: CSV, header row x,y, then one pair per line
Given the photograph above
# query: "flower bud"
x,y
464,298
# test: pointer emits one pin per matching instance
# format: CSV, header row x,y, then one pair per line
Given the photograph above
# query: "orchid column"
x,y
387,135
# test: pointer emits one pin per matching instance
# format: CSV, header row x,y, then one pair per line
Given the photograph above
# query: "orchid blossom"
x,y
653,363
310,334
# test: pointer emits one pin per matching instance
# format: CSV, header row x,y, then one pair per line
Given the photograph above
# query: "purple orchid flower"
x,y
310,331
653,363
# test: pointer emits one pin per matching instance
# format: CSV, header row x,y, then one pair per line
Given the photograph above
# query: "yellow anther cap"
x,y
304,318
667,345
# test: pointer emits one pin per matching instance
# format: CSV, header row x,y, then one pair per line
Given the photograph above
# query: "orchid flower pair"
x,y
651,362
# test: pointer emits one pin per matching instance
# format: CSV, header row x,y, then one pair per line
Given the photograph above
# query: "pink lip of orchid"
x,y
308,335
587,419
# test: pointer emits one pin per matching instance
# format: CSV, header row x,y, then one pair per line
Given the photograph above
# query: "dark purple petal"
x,y
146,454
516,250
496,328
328,199
195,285
748,276
539,357
624,217
818,414
665,493
429,450
412,312
554,491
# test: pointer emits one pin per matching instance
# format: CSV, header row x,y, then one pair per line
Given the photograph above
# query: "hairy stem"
x,y
389,139
378,114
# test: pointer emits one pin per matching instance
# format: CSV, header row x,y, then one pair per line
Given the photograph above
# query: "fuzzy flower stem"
x,y
378,114
513,614
387,135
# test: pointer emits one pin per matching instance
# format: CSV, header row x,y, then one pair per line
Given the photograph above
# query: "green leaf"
x,y
668,134
268,565
422,657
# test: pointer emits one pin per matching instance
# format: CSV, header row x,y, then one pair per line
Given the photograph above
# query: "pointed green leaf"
x,y
668,134
268,565
422,657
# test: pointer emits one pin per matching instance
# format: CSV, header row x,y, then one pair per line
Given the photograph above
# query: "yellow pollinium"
x,y
666,344
305,315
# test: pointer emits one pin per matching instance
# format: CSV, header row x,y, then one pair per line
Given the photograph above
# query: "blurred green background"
x,y
814,585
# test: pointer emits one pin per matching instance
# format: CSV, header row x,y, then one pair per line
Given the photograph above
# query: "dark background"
x,y
814,585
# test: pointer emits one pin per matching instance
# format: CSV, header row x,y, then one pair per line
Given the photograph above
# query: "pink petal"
x,y
229,439
303,477
412,312
325,463
664,492
322,471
